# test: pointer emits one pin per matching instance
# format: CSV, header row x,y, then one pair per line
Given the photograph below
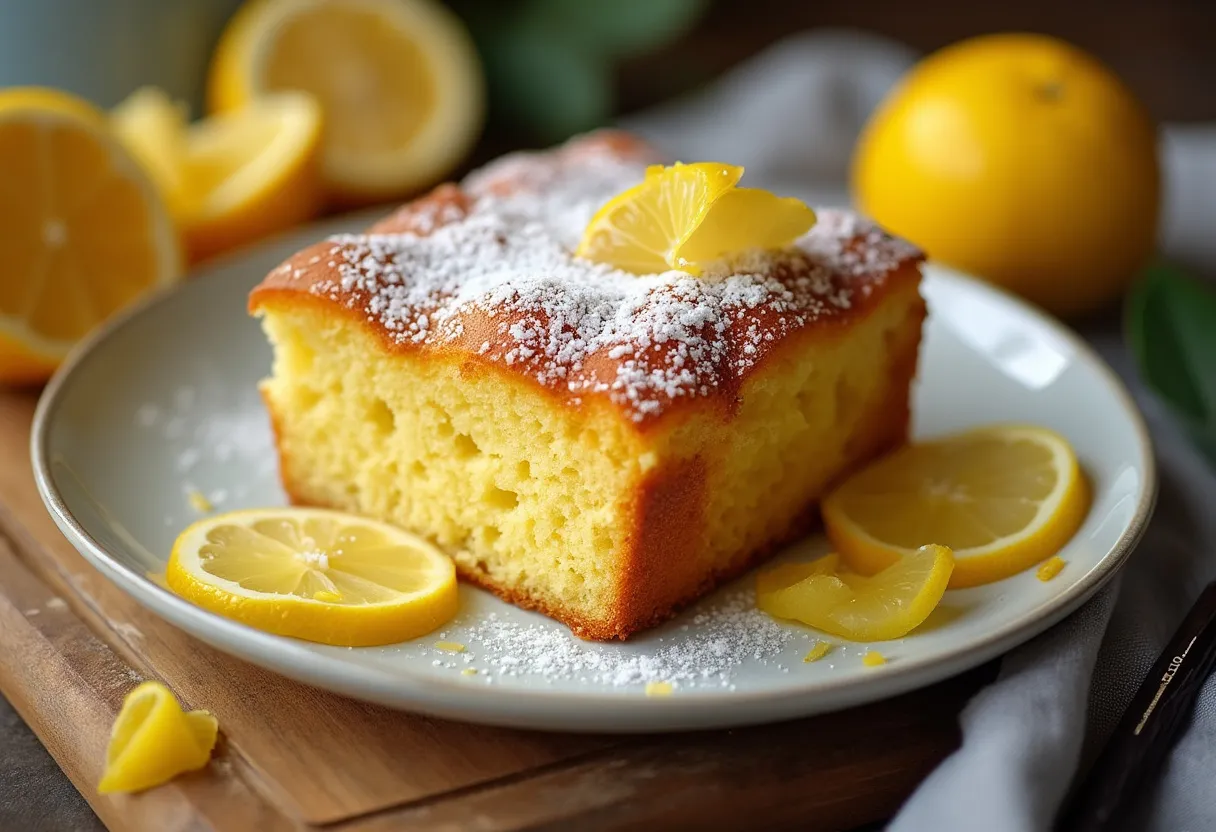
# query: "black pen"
x,y
1150,726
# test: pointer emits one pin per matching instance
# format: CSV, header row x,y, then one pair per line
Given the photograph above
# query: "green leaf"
x,y
620,28
543,83
1171,329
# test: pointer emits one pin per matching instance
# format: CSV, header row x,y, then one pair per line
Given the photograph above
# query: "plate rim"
x,y
539,708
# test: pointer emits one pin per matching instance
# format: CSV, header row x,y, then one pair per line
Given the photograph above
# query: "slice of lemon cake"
x,y
597,445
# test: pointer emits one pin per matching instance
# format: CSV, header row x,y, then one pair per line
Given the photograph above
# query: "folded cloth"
x,y
790,116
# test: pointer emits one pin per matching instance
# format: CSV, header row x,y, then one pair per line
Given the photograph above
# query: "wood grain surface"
x,y
291,756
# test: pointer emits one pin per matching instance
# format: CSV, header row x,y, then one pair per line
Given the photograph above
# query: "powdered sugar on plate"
x,y
706,647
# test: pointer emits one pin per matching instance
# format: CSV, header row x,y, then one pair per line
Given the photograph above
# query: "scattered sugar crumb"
x,y
32,612
469,671
449,646
1050,568
658,689
198,501
873,658
56,604
818,651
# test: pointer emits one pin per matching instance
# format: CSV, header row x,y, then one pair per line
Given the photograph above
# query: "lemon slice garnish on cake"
x,y
884,606
153,740
82,228
686,215
1003,498
315,574
400,84
233,178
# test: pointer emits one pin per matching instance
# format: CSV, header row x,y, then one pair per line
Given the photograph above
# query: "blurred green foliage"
x,y
551,64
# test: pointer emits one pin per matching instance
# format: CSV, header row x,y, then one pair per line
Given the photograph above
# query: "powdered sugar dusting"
x,y
709,650
490,268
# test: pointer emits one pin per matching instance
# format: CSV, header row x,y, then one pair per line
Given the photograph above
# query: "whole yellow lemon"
x,y
1020,159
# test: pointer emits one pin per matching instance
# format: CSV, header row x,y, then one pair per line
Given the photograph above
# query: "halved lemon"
x,y
1003,498
685,215
153,128
83,230
887,605
153,740
318,575
399,82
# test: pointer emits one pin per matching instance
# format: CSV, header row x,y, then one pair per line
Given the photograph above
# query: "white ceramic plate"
x,y
163,401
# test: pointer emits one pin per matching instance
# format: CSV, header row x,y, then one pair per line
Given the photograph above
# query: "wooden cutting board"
x,y
290,756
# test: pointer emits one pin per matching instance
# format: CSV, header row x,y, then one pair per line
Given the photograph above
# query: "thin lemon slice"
x,y
153,740
252,172
885,606
686,216
313,574
83,230
399,82
1003,498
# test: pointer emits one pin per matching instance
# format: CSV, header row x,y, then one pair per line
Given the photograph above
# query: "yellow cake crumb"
x,y
327,596
450,646
658,688
199,502
469,671
873,658
817,652
1050,568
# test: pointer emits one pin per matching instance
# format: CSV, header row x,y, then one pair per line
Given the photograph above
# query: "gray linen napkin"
x,y
790,116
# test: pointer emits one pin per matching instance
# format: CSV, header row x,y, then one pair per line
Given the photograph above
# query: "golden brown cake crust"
x,y
649,346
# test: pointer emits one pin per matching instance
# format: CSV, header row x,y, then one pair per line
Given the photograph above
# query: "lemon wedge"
x,y
686,215
884,606
229,179
399,82
153,740
1003,498
83,229
313,574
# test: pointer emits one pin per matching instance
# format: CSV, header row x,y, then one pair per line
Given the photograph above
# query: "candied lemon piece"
x,y
884,606
686,215
658,689
315,574
1050,568
821,649
153,740
1002,498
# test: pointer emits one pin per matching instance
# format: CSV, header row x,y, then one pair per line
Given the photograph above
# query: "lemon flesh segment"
x,y
318,575
885,606
400,84
642,229
742,219
84,230
1002,498
153,740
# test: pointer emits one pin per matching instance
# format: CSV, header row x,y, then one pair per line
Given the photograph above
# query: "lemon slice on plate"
x,y
154,740
313,574
83,230
399,82
885,606
684,216
1002,498
233,178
